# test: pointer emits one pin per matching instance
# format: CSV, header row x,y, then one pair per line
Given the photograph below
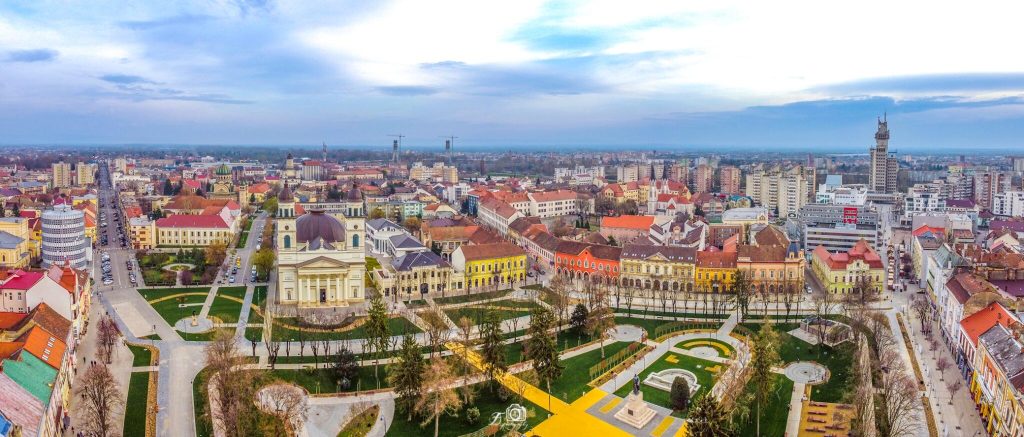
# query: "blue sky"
x,y
810,75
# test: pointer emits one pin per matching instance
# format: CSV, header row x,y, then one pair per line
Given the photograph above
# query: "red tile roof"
x,y
716,259
638,222
44,345
10,320
22,280
976,324
860,251
475,252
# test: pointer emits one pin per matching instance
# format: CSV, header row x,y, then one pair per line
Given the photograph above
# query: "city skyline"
x,y
665,76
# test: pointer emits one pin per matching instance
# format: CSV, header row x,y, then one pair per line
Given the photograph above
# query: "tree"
x,y
101,398
463,368
708,419
215,253
377,213
287,403
263,260
168,189
824,304
600,318
412,224
378,334
107,337
405,374
765,356
612,241
741,289
542,348
437,396
559,290
493,349
578,320
232,388
922,309
680,394
270,205
346,368
898,399
437,329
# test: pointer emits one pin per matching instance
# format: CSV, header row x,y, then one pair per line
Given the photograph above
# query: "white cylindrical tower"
x,y
64,237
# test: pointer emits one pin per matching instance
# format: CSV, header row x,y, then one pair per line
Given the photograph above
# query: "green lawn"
x,y
566,339
773,418
670,313
226,310
236,291
575,375
451,426
838,360
323,380
360,425
648,325
506,309
141,356
397,325
171,311
242,239
660,397
154,293
720,344
259,299
462,298
135,407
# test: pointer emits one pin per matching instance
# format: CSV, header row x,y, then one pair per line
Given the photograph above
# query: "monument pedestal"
x,y
636,412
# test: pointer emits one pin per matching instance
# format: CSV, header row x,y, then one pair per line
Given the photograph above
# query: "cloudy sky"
x,y
681,74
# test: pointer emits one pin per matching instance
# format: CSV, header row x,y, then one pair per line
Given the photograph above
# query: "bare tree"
x,y
273,350
107,338
462,367
922,309
101,398
600,318
522,382
232,388
941,365
898,399
315,347
559,291
437,396
824,305
437,329
287,403
513,325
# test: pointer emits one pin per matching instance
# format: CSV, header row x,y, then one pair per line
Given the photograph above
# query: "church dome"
x,y
285,195
223,170
317,224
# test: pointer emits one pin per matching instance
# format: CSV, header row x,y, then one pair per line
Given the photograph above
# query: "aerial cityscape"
x,y
316,219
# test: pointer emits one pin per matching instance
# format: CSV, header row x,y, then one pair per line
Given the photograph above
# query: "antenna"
x,y
448,142
396,146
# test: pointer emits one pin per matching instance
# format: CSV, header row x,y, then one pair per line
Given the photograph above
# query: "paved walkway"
x,y
795,409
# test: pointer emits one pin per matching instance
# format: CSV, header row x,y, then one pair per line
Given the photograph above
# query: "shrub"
x,y
472,415
680,394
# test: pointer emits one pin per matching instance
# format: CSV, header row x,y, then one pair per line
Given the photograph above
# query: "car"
x,y
231,279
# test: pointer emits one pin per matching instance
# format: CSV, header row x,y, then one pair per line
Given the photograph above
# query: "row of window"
x,y
587,264
490,267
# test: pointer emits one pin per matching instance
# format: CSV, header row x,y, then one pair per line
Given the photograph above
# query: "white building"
x,y
579,175
553,203
64,237
379,232
927,197
1009,204
854,194
497,214
784,190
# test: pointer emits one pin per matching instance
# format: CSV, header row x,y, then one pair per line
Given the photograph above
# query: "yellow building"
x,y
842,272
714,270
194,230
414,276
15,242
994,385
653,267
771,262
478,266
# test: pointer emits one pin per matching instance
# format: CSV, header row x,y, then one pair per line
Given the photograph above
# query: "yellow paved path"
x,y
566,420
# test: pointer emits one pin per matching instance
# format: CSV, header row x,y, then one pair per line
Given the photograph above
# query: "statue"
x,y
195,321
636,384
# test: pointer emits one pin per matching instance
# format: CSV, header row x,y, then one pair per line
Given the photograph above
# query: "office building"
x,y
884,166
63,234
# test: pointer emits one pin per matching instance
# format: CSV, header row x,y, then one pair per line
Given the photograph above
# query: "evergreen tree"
x,y
346,368
765,356
493,349
406,374
168,189
541,348
378,334
680,394
708,419
578,319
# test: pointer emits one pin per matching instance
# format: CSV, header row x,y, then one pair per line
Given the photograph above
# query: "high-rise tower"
x,y
394,151
884,166
323,155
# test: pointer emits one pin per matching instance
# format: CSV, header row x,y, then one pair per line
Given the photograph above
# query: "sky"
x,y
673,74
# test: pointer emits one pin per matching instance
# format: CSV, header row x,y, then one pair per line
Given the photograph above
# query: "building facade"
x,y
63,235
493,265
321,261
844,272
884,166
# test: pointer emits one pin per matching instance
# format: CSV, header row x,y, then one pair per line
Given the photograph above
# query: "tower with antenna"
x,y
448,142
396,147
323,154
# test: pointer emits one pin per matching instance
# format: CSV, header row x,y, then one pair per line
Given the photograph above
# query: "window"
x,y
355,241
287,240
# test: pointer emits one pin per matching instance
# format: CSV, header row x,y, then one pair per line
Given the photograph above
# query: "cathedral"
x,y
320,256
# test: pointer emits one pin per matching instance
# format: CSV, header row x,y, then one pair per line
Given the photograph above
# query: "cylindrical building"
x,y
64,237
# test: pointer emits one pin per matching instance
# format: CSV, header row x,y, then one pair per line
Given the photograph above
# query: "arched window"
x,y
355,241
287,241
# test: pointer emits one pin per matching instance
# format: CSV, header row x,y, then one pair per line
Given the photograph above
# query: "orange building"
x,y
585,261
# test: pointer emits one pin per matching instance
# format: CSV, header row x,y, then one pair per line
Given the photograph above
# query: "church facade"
x,y
321,261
